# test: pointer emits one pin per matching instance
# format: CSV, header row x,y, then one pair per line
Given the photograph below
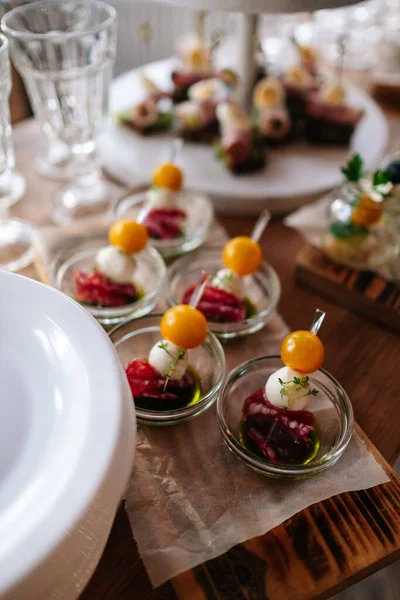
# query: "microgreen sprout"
x,y
300,383
174,362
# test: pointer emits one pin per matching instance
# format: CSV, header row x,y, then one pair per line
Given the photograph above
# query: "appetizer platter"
x,y
283,147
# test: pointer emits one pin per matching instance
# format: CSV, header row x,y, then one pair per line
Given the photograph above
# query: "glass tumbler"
x,y
65,52
16,237
12,184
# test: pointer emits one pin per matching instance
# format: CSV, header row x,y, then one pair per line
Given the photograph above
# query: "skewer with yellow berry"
x,y
276,421
111,282
165,379
165,218
224,298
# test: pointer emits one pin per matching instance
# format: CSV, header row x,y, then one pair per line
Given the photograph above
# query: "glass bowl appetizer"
x,y
241,293
175,367
362,234
177,220
285,417
124,278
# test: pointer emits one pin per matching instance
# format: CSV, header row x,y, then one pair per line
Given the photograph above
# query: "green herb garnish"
x,y
174,362
353,171
300,383
380,178
344,230
219,151
164,120
251,310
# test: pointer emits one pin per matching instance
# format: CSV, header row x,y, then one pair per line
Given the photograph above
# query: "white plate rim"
x,y
40,538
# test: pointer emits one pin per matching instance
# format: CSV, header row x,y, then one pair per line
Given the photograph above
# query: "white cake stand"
x,y
294,174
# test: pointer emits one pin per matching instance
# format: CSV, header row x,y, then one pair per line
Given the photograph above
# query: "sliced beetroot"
x,y
151,391
94,288
218,305
282,435
165,223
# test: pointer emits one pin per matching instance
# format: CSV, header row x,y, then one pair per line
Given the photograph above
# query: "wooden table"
x,y
326,547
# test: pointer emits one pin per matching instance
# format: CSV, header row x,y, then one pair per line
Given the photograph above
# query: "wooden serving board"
x,y
363,292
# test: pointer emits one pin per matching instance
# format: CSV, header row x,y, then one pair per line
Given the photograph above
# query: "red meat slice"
x,y
218,305
94,288
281,434
165,223
146,382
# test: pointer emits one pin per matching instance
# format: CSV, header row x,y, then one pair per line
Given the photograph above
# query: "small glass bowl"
x,y
199,212
134,338
379,248
332,408
150,276
263,288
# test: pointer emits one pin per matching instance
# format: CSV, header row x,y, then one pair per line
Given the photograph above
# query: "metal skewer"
x,y
319,317
199,290
260,225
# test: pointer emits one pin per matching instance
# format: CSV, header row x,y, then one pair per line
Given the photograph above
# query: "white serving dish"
x,y
294,174
67,439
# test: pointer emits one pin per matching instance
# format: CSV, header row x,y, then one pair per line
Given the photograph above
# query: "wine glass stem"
x,y
86,168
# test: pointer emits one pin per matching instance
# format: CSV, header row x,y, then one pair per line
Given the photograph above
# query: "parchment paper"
x,y
190,500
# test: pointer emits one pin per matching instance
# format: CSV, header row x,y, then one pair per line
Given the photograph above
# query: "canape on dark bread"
x,y
274,125
183,80
152,114
196,119
329,118
269,111
146,118
298,84
241,149
195,66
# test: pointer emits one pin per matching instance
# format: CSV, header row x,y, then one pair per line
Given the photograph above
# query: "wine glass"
x,y
16,237
65,52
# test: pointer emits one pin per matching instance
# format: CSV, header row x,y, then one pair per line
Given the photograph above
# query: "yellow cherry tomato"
x,y
367,212
168,176
128,236
242,255
302,351
184,326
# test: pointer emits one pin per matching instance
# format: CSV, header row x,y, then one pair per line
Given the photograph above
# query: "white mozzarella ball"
x,y
229,281
161,198
115,264
163,355
294,396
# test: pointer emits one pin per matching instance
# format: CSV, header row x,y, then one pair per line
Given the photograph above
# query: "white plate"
x,y
66,419
292,173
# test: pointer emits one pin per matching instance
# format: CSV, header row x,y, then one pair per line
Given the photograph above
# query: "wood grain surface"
x,y
364,292
324,548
